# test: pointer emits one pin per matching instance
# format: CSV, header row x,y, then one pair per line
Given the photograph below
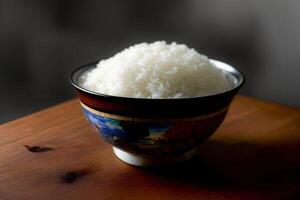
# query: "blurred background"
x,y
42,41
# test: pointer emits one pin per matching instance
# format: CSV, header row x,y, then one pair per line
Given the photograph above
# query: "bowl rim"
x,y
239,75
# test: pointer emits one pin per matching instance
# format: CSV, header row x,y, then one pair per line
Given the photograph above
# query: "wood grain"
x,y
253,155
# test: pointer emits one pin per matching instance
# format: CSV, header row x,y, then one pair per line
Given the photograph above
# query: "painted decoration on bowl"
x,y
153,136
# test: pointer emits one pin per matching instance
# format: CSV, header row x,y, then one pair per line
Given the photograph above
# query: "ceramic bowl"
x,y
147,132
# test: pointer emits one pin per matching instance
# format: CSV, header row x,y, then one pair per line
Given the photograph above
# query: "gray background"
x,y
42,41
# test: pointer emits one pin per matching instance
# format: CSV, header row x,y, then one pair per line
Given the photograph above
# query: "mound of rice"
x,y
157,70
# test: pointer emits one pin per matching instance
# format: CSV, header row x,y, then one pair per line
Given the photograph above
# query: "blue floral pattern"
x,y
144,137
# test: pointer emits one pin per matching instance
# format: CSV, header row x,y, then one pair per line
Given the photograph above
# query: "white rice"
x,y
157,70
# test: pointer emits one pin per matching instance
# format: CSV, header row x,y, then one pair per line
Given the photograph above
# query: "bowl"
x,y
149,132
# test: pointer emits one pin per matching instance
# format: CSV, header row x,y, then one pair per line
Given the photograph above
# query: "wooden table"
x,y
255,154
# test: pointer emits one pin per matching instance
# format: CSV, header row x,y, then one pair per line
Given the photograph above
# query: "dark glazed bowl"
x,y
147,132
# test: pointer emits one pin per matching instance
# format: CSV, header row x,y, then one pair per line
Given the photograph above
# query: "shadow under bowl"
x,y
148,132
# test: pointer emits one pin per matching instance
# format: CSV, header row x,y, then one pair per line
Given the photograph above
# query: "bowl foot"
x,y
147,161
